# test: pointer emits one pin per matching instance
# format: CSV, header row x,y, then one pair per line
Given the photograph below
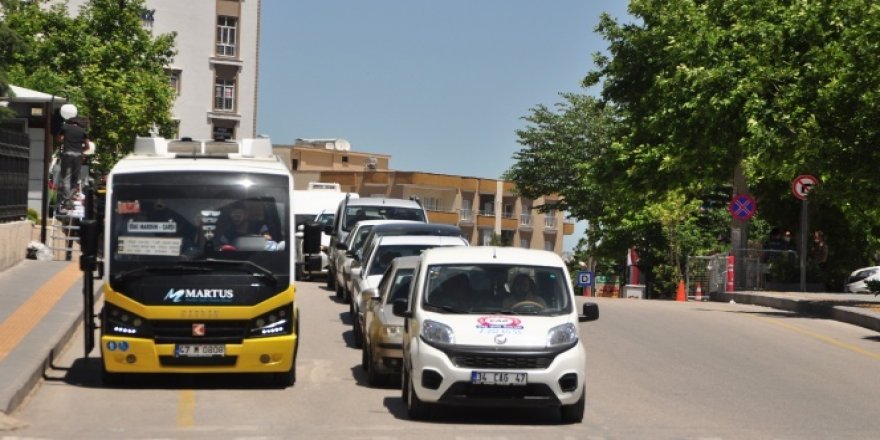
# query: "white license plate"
x,y
200,350
498,378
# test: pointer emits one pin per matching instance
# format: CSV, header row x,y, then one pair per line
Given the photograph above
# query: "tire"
x,y
365,359
374,379
331,280
358,335
574,413
112,380
288,378
339,292
415,408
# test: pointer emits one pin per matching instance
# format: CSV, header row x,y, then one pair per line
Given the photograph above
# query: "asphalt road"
x,y
656,370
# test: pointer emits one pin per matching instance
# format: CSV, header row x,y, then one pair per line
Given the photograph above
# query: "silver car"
x,y
382,350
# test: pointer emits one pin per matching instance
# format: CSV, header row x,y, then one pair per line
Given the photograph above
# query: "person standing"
x,y
74,142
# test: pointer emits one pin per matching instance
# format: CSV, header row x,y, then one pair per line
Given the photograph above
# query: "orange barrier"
x,y
698,294
680,295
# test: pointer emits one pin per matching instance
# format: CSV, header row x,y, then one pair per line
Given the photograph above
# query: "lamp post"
x,y
67,111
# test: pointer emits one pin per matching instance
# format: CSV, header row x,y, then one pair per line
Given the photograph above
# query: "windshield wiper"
x,y
128,275
449,309
242,265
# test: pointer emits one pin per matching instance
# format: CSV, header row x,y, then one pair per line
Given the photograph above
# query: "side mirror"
x,y
589,313
300,228
328,230
299,234
400,308
341,246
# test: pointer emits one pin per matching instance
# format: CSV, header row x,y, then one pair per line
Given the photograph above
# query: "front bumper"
x,y
437,379
260,355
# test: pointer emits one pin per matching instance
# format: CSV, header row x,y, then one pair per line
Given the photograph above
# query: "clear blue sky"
x,y
441,86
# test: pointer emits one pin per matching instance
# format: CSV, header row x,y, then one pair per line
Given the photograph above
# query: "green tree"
x,y
112,68
697,89
10,44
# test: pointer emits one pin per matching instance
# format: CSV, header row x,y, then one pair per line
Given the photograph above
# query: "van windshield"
x,y
497,288
354,214
168,218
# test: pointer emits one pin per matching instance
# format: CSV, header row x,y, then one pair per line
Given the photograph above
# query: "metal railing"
x,y
465,215
14,156
525,220
550,222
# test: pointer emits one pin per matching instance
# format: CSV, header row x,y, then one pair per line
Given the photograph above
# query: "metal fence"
x,y
756,269
14,156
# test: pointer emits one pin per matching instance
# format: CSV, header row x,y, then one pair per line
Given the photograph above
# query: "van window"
x,y
354,214
497,288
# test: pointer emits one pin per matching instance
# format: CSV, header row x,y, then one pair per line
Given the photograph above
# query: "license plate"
x,y
498,378
199,350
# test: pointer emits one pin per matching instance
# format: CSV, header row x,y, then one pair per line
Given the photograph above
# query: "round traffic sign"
x,y
743,207
801,185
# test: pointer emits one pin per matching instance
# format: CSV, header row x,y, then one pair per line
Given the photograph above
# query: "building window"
x,y
224,94
174,80
524,243
344,159
548,246
226,35
294,164
431,203
223,132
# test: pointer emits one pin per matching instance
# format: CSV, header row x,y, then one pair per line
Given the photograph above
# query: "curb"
x,y
818,308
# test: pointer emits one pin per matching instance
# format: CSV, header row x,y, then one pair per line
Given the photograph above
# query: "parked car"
x,y
471,339
376,257
353,243
383,228
382,350
857,281
351,210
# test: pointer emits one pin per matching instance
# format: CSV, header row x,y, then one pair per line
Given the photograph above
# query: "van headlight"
x,y
276,322
434,332
120,322
565,334
391,330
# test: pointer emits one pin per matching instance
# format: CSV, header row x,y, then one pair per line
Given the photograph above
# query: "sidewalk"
x,y
41,308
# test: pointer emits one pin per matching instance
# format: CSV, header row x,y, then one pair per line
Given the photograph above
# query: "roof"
x,y
415,228
492,255
27,95
381,201
402,240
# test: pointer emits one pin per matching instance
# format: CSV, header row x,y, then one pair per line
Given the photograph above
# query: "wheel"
x,y
285,379
415,408
339,292
574,413
373,377
358,334
365,359
331,280
527,306
112,380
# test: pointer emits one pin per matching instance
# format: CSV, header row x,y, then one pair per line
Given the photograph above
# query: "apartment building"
x,y
216,68
482,208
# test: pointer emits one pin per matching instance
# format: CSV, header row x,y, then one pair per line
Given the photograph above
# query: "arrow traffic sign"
x,y
801,185
742,207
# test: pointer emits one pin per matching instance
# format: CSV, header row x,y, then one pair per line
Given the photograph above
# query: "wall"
x,y
15,237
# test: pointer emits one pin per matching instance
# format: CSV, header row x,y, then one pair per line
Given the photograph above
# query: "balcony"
x,y
525,221
466,217
444,217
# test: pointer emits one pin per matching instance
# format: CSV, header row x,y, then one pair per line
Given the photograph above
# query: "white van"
x,y
317,204
351,211
493,326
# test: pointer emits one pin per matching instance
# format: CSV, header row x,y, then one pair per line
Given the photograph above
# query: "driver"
x,y
238,225
522,289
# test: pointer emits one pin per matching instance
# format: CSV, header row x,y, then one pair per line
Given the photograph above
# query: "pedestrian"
x,y
819,251
74,142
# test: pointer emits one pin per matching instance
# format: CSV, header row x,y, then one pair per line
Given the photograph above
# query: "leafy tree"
x,y
10,44
111,67
694,90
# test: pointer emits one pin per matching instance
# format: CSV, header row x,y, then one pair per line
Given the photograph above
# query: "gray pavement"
x,y
25,358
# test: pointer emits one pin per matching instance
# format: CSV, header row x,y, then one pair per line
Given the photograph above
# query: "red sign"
x,y
743,207
198,329
801,185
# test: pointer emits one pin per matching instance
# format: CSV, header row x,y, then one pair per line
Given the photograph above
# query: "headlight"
x,y
276,322
436,333
391,330
124,323
562,335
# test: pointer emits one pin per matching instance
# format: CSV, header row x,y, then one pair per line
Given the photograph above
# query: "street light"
x,y
67,111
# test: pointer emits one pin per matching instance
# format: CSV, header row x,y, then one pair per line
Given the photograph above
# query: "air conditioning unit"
x,y
371,164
